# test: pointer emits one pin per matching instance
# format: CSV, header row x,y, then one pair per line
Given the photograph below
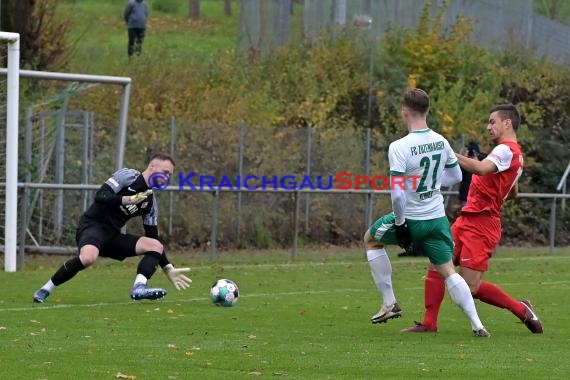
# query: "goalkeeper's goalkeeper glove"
x,y
403,235
175,276
137,198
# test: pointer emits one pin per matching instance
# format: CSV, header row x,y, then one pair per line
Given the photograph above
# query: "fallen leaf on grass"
x,y
189,353
279,373
120,375
255,373
170,345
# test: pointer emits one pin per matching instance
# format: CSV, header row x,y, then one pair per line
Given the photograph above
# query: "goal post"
x,y
12,101
13,259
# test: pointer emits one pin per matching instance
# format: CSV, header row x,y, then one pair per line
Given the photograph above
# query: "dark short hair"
x,y
508,111
162,157
416,99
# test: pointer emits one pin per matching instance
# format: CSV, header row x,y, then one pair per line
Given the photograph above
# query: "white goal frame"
x,y
13,74
12,103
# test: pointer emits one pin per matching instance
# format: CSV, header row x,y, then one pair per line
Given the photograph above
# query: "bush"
x,y
166,6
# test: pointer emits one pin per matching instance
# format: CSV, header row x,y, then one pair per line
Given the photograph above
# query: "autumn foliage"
x,y
326,87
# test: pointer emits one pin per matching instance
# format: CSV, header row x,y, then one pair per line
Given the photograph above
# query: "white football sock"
x,y
140,279
461,296
381,270
49,286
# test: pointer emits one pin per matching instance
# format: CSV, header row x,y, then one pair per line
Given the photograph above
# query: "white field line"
x,y
394,261
273,295
185,300
282,294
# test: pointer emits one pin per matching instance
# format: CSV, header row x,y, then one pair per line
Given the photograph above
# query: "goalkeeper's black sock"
x,y
163,260
67,271
147,265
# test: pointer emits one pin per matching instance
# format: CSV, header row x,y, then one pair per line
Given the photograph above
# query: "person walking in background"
x,y
135,15
424,160
477,231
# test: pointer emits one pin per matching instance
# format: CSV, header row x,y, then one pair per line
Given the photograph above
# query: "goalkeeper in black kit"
x,y
125,195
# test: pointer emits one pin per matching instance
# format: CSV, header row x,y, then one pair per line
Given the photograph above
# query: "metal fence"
x,y
498,24
210,207
213,218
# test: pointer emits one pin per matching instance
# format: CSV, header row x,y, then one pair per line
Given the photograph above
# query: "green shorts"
x,y
434,235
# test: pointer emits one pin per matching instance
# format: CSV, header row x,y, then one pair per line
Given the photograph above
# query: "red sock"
x,y
434,291
493,295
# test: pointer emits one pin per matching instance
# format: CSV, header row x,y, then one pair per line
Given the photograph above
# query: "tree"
x,y
194,9
228,7
558,10
43,42
16,16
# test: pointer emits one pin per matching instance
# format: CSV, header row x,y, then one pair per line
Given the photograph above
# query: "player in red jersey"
x,y
478,230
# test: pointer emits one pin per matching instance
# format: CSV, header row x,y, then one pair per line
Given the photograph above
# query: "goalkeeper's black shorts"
x,y
110,242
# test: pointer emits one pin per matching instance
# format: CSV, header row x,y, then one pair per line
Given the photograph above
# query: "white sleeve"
x,y
451,157
397,161
396,158
451,176
398,204
501,156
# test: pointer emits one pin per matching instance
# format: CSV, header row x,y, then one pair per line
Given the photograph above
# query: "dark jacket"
x,y
136,13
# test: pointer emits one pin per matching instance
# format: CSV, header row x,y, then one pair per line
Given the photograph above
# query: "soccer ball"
x,y
224,292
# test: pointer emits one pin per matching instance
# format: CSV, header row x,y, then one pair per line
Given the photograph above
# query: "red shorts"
x,y
475,237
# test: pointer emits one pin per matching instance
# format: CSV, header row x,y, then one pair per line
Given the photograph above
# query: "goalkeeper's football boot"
x,y
40,296
481,333
145,292
418,328
531,319
387,312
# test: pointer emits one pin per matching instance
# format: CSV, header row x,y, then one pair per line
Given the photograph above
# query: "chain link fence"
x,y
208,206
501,24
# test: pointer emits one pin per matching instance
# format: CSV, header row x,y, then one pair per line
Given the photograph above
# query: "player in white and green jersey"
x,y
420,158
422,161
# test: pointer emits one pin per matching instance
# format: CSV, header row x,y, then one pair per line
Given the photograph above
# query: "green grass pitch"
x,y
302,319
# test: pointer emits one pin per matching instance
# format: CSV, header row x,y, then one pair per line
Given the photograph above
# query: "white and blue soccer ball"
x,y
224,292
